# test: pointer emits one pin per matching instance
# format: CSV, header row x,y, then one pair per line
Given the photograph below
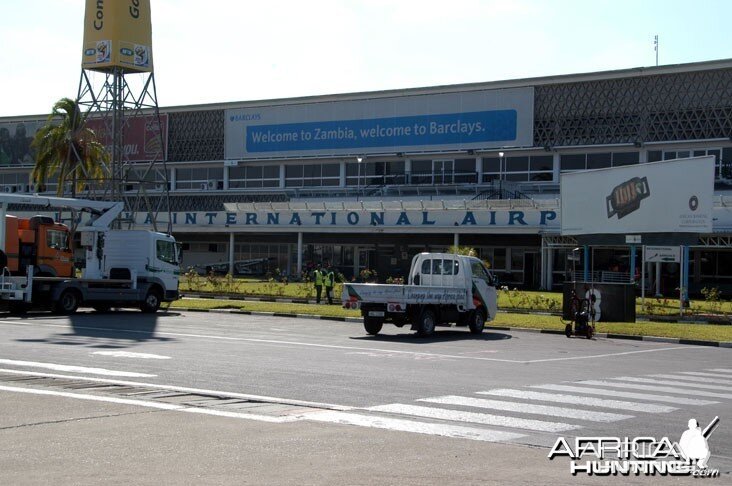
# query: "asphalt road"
x,y
192,398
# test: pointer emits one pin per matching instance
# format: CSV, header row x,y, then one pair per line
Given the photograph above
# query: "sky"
x,y
242,50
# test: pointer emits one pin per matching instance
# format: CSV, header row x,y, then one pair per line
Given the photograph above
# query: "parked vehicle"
x,y
251,267
123,268
443,288
39,242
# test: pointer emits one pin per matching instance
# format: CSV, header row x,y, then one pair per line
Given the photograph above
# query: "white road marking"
x,y
202,391
472,417
129,354
651,381
609,355
624,394
75,369
148,404
444,430
701,373
528,408
697,379
359,348
580,400
665,389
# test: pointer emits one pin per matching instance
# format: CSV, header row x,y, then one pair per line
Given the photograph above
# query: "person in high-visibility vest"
x,y
329,282
318,279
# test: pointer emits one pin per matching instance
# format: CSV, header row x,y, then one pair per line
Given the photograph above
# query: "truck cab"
x,y
38,241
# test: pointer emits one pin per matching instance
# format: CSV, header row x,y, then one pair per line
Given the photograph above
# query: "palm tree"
x,y
67,147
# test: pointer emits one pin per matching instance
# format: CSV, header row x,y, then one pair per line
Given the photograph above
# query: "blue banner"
x,y
395,132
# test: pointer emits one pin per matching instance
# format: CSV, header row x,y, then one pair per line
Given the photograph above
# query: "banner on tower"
x,y
117,33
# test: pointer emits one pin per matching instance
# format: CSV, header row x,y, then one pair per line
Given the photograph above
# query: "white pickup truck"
x,y
442,288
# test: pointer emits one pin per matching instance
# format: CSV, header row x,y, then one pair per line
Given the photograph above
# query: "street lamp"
x,y
501,170
358,180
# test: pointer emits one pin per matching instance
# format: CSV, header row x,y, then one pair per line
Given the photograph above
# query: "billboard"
x,y
455,121
674,196
143,138
117,33
15,142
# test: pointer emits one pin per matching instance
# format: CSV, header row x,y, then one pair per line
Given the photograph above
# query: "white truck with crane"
x,y
122,268
443,288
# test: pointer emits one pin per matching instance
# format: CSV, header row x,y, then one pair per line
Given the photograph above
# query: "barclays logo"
x,y
246,117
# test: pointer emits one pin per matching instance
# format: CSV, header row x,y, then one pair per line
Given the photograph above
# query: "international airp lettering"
x,y
392,219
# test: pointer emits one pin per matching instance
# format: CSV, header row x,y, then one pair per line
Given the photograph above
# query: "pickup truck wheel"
x,y
151,304
427,322
372,326
68,302
477,322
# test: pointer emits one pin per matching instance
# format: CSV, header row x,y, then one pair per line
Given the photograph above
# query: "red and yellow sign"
x,y
117,33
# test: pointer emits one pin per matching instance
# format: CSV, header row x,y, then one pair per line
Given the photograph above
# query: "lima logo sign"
x,y
626,197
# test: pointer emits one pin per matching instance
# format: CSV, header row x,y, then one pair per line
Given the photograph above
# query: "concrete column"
x,y
643,156
298,270
456,240
356,262
549,268
282,184
586,261
479,169
288,267
632,263
231,253
172,180
556,167
226,178
407,171
342,181
542,266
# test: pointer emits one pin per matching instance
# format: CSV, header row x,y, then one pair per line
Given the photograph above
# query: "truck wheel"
x,y
372,326
68,302
151,304
427,322
477,322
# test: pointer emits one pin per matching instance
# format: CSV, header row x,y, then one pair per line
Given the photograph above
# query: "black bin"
x,y
617,300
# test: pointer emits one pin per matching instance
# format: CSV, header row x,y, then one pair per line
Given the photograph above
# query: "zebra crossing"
x,y
530,413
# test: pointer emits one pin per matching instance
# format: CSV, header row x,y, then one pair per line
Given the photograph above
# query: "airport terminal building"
x,y
367,180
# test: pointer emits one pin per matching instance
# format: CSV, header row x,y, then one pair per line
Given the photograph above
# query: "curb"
x,y
283,300
657,339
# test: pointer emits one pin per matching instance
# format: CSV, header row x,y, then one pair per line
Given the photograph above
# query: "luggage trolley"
x,y
583,317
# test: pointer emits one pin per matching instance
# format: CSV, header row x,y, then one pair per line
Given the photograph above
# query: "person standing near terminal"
x,y
329,281
318,279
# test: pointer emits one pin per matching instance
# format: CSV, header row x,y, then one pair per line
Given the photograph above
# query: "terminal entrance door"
x,y
532,272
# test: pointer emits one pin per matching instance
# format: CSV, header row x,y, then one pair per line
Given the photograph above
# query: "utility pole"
x,y
655,47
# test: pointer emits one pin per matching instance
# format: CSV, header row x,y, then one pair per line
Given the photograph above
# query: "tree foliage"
x,y
67,151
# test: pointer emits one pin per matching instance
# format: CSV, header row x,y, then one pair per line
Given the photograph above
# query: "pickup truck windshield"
x,y
480,272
